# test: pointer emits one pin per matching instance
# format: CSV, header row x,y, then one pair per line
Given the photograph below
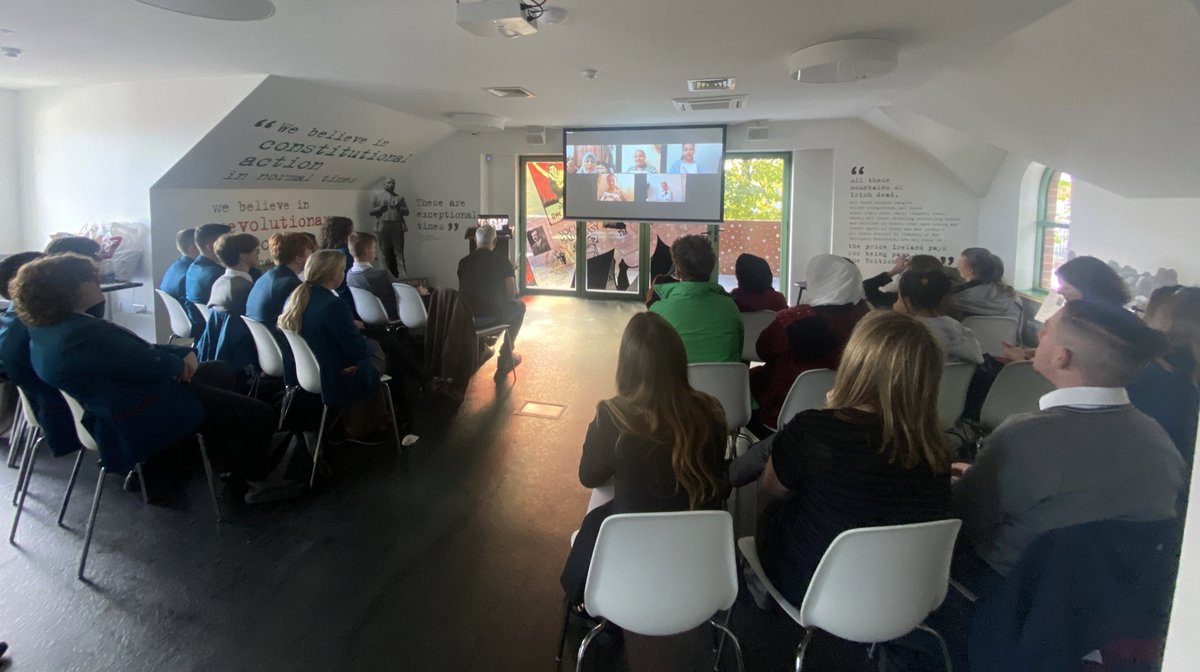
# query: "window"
x,y
1053,227
757,189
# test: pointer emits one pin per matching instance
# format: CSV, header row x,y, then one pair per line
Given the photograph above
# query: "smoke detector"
x,y
843,61
475,124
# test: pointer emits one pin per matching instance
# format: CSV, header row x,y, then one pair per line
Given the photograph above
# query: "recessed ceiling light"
x,y
224,10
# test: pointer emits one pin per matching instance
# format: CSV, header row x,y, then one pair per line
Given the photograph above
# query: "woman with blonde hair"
x,y
874,456
350,363
659,441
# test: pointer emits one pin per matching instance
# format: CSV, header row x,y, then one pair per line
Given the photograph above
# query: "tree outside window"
x,y
1053,227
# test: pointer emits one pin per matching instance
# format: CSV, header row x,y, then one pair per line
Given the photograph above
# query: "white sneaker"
x,y
409,439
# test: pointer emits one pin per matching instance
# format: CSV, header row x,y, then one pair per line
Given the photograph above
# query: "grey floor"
x,y
444,559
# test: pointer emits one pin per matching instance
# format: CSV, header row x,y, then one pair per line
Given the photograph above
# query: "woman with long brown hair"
x,y
659,441
874,456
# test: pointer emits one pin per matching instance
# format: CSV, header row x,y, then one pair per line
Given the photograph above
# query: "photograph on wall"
x,y
612,187
538,242
666,189
641,158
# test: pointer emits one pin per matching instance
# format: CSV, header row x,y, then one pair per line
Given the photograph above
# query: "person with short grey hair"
x,y
488,284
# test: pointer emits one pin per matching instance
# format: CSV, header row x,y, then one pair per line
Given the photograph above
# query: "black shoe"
x,y
3,648
505,365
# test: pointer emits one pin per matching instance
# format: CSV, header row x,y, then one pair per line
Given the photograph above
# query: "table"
x,y
117,285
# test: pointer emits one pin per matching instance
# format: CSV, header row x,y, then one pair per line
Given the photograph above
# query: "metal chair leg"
x,y
387,395
719,648
28,445
91,524
586,641
803,649
142,482
941,643
208,475
289,395
70,486
317,451
31,458
16,435
562,635
737,647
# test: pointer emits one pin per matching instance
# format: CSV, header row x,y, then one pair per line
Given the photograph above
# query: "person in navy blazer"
x,y
289,251
335,235
203,272
349,368
226,337
139,398
174,279
49,407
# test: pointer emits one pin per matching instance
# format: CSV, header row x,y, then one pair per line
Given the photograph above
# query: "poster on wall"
x,y
888,212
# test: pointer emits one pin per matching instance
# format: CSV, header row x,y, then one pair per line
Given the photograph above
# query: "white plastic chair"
x,y
181,326
993,332
660,574
371,309
23,443
729,382
808,392
873,584
411,308
1017,389
16,436
755,323
270,363
34,438
308,374
89,443
203,308
952,393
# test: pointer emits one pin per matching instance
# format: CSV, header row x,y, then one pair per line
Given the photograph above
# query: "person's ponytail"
x,y
323,269
293,311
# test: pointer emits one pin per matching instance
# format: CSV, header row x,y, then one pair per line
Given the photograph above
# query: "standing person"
x,y
1166,388
659,441
754,291
389,211
705,316
174,280
924,295
874,456
488,284
985,292
203,272
807,336
289,251
687,161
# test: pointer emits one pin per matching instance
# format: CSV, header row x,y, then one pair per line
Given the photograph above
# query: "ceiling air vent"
x,y
709,103
509,92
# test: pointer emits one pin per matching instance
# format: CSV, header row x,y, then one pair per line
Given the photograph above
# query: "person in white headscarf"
x,y
810,335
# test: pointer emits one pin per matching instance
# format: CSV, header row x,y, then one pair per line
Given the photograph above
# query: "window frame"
x,y
1044,223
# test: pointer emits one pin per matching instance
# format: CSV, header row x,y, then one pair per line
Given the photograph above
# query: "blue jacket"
x,y
135,404
197,286
48,404
226,337
328,327
265,304
174,279
343,290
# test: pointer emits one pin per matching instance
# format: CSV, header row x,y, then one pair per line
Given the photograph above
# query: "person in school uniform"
x,y
174,280
335,235
265,303
139,398
49,407
203,272
226,337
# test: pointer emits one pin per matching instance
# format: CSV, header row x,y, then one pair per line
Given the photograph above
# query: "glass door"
x,y
613,254
757,202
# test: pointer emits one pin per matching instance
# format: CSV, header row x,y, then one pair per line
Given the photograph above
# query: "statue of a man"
x,y
389,210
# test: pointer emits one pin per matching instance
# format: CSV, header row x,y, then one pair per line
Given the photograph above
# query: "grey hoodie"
x,y
987,300
957,341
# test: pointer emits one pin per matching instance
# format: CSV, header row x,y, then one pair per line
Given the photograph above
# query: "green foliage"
x,y
754,189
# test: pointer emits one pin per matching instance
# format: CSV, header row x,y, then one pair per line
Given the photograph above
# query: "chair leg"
x,y
387,396
941,644
719,647
317,451
208,475
15,436
70,486
737,647
142,482
586,641
31,457
562,635
28,445
288,396
91,524
803,649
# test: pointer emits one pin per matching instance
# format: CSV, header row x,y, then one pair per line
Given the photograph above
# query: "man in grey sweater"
x,y
1087,455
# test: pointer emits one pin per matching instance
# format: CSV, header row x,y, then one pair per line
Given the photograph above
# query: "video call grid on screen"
x,y
663,174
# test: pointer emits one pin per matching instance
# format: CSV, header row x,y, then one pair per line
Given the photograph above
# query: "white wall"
x,y
91,153
1008,217
10,198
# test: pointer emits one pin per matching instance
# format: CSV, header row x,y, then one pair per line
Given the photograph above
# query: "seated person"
x,y
335,235
705,316
140,398
1090,279
488,284
874,456
364,275
659,441
924,295
1087,455
874,286
350,364
75,245
49,407
226,337
174,280
289,251
808,336
985,292
754,291
203,272
1166,389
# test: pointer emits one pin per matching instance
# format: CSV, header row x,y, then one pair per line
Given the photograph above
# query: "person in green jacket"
x,y
705,316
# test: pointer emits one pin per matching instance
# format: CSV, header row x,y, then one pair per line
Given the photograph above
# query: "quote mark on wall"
x,y
264,123
858,170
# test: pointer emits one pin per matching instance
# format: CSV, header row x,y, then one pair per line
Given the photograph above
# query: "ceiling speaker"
x,y
535,135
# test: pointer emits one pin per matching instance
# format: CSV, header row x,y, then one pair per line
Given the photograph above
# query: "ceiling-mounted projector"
x,y
488,18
